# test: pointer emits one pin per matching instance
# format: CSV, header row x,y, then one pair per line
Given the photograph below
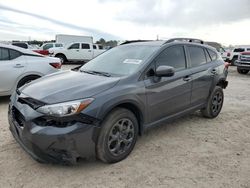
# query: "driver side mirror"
x,y
164,71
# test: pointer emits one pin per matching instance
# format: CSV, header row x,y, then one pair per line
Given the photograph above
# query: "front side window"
x,y
197,56
121,61
75,46
4,54
85,46
173,56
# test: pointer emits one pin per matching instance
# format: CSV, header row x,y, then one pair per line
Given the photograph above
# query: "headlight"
x,y
65,109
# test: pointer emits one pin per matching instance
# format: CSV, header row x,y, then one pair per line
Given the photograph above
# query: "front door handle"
x,y
18,66
187,78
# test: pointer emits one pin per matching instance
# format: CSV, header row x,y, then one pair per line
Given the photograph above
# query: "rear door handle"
x,y
187,78
18,66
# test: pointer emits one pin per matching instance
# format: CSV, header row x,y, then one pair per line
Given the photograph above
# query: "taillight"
x,y
227,65
228,54
56,65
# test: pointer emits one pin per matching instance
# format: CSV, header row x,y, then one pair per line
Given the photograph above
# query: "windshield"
x,y
122,60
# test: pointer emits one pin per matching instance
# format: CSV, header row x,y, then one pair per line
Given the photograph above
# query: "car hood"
x,y
67,86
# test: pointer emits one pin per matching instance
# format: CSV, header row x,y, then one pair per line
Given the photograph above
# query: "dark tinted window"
x,y
197,56
14,54
75,46
85,46
4,54
239,50
100,47
172,56
212,54
248,49
94,46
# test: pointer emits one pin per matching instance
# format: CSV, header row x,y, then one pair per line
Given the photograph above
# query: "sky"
x,y
223,21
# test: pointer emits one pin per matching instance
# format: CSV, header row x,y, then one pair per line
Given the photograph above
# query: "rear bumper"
x,y
54,145
243,65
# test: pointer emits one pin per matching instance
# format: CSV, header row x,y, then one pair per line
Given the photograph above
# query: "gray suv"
x,y
101,109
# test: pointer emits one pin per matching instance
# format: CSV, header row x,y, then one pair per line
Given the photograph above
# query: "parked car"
x,y
77,52
243,63
234,54
19,66
102,108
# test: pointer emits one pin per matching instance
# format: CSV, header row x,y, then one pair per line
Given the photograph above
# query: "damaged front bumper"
x,y
49,143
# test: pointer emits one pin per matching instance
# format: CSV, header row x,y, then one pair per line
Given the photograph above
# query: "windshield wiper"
x,y
96,73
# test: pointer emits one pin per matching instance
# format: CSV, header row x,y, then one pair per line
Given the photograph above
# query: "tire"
x,y
214,104
26,80
242,71
112,132
62,58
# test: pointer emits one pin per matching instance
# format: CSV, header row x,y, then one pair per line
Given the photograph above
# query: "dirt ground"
x,y
190,152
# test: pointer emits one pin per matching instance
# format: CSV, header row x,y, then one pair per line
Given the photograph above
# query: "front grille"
x,y
18,117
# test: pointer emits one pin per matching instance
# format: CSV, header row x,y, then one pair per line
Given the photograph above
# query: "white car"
x,y
19,66
47,46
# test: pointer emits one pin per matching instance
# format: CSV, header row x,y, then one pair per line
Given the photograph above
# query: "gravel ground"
x,y
190,152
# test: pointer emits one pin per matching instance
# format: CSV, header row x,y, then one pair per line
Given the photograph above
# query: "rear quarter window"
x,y
212,54
14,54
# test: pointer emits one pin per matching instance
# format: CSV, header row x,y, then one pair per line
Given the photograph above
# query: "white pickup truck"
x,y
77,51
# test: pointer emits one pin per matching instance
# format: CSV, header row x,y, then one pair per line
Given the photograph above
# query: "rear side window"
x,y
14,54
173,56
197,56
75,46
94,46
212,54
85,46
208,56
4,54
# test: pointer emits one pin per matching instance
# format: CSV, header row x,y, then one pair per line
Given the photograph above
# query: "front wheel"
x,y
242,71
214,104
118,136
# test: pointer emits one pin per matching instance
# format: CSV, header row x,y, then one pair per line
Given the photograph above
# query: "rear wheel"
x,y
242,71
118,136
215,103
27,80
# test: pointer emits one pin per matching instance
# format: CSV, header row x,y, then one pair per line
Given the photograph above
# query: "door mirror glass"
x,y
164,71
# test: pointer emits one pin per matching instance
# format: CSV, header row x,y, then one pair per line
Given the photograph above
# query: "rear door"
x,y
168,95
203,70
12,65
86,51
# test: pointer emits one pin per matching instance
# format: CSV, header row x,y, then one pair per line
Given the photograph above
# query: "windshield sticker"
x,y
132,61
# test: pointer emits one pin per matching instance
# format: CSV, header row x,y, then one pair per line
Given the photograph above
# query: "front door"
x,y
169,95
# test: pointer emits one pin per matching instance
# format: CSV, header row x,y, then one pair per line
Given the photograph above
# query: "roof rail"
x,y
185,40
133,41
